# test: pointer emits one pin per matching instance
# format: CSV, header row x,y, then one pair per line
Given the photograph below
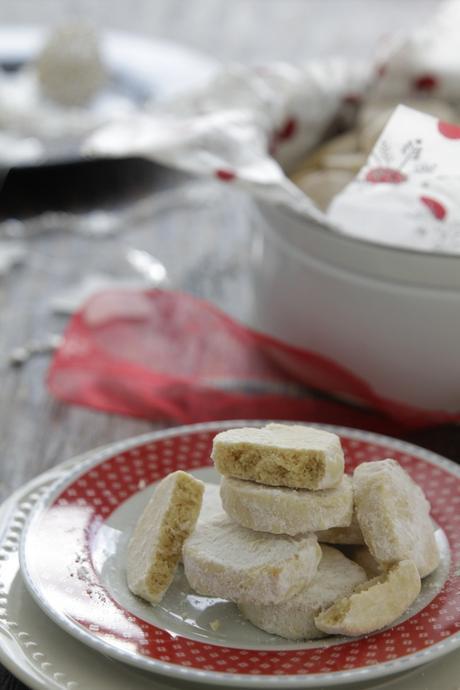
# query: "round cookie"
x,y
293,455
279,510
293,619
155,546
373,605
394,516
222,559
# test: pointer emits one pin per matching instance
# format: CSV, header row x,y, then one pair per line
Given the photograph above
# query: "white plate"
x,y
72,559
44,658
141,71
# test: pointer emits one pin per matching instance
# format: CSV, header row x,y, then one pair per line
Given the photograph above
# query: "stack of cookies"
x,y
283,491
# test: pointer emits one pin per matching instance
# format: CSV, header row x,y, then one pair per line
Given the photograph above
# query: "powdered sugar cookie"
x,y
222,559
296,456
375,604
280,510
394,516
155,546
293,619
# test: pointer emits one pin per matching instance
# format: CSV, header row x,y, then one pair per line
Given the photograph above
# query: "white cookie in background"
x,y
394,516
222,559
375,604
323,185
280,510
293,619
155,546
295,456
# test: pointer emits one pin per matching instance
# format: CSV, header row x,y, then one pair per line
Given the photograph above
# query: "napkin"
x,y
251,125
425,62
169,356
407,194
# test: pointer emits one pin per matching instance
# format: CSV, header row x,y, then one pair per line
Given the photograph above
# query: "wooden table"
x,y
36,432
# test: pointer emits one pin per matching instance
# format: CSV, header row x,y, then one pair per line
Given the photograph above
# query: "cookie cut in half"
x,y
155,546
394,516
375,604
293,619
222,559
296,456
280,510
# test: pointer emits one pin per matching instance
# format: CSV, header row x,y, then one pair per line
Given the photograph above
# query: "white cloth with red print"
x,y
251,122
408,193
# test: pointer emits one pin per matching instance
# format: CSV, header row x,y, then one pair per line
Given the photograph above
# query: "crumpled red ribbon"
x,y
168,356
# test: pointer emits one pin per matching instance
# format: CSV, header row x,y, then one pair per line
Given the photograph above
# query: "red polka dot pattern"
x,y
288,129
386,176
103,488
225,175
449,130
434,206
426,82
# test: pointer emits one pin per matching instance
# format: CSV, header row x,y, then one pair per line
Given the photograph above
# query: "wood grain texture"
x,y
36,432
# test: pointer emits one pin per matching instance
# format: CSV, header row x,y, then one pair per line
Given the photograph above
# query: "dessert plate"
x,y
73,554
35,650
141,71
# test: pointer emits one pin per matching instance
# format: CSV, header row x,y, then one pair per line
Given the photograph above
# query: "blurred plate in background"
x,y
141,71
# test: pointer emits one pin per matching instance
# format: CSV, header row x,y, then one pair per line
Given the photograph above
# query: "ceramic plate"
x,y
73,552
37,652
140,70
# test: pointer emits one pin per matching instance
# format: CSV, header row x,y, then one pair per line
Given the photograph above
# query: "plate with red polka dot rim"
x,y
72,553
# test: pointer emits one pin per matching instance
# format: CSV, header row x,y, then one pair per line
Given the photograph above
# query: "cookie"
x,y
280,510
294,619
222,559
375,604
155,546
295,456
394,516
